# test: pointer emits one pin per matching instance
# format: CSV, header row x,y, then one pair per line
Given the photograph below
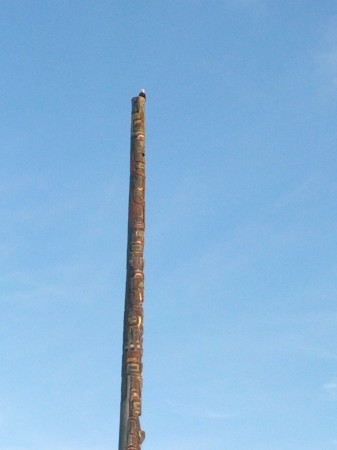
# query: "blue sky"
x,y
240,295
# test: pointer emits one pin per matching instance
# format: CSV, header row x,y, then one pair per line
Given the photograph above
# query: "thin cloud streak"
x,y
191,411
330,389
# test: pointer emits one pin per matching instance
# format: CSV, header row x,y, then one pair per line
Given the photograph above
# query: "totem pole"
x,y
130,434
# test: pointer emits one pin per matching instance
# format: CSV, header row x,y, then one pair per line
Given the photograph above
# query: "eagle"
x,y
142,93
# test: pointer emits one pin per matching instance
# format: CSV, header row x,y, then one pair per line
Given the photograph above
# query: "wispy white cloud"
x,y
215,415
192,442
330,389
192,411
70,281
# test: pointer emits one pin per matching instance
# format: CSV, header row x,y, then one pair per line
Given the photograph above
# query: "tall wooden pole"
x,y
130,434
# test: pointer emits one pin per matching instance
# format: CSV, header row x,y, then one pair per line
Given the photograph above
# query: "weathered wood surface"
x,y
130,434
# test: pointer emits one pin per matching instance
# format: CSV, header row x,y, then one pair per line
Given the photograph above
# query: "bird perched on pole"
x,y
142,93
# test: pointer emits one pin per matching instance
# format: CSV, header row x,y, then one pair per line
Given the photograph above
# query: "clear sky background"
x,y
240,345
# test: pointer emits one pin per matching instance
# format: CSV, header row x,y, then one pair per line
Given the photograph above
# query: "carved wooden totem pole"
x,y
130,434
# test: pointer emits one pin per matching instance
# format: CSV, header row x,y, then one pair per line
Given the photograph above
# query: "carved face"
x,y
133,319
137,291
139,213
138,263
138,236
136,408
137,124
134,368
136,384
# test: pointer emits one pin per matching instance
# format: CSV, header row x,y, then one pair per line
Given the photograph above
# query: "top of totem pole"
x,y
138,102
